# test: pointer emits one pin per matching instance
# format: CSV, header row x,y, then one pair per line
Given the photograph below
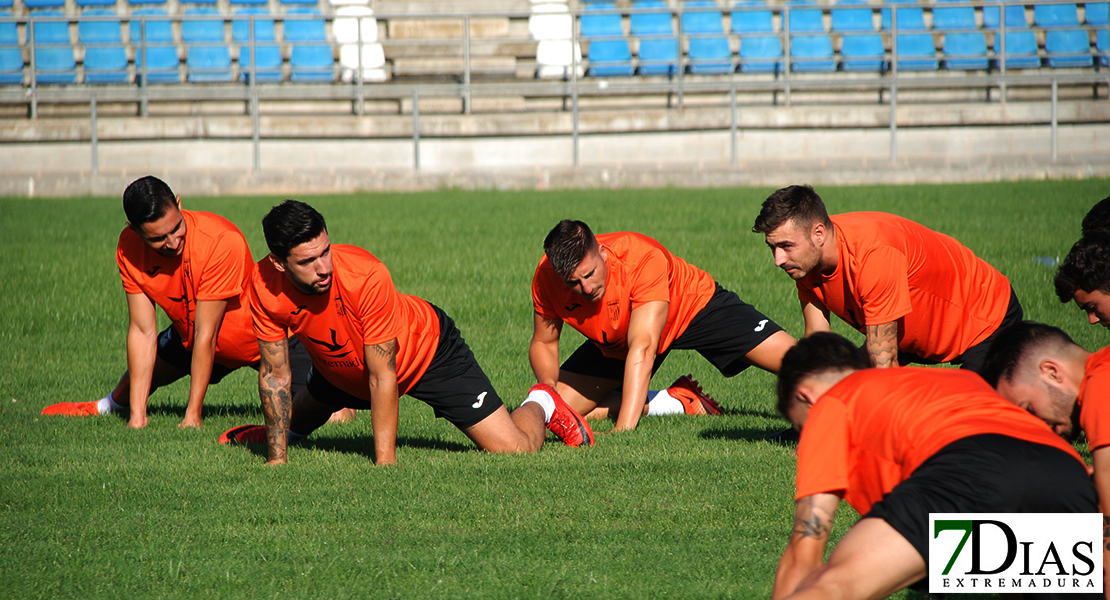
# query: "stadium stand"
x,y
709,50
1020,42
658,52
608,53
965,48
311,58
915,51
11,57
209,58
54,61
156,58
814,42
355,24
760,44
105,58
551,24
861,49
1065,45
268,65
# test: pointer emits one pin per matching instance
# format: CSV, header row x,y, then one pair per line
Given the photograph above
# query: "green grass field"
x,y
681,507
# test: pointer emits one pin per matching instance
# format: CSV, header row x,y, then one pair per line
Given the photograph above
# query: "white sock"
x,y
545,401
662,403
108,404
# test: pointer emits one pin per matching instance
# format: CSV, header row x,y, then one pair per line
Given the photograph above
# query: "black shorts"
x,y
724,332
986,473
454,385
973,358
172,351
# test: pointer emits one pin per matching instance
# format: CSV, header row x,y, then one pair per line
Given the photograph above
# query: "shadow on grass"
x,y
209,412
364,446
746,434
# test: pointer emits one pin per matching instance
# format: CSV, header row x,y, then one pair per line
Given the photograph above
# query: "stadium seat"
x,y
54,62
268,66
1102,45
208,57
96,3
760,45
709,51
551,25
105,58
145,2
813,42
348,19
11,58
658,54
248,2
608,57
916,51
37,4
1097,13
953,15
161,52
965,48
1063,47
311,58
1021,43
861,49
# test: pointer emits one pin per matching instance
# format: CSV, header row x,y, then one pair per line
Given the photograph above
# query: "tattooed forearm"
x,y
882,344
388,350
811,521
273,390
1106,532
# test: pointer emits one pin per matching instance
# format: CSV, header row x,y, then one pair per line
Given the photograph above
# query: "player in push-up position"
x,y
917,295
635,302
897,445
370,345
195,266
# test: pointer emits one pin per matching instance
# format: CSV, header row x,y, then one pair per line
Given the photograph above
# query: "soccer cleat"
x,y
73,409
565,421
694,400
244,434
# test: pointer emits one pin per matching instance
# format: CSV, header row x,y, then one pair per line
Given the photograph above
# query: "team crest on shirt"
x,y
339,310
614,312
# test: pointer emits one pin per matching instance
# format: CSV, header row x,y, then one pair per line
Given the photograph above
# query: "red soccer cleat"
x,y
73,409
244,434
694,400
566,422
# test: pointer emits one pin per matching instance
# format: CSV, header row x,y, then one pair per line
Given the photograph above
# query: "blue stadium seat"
x,y
1015,17
607,57
965,48
950,15
1097,13
160,55
11,58
658,45
916,52
1021,43
8,4
1102,45
1063,47
813,42
709,51
54,62
861,49
37,4
910,15
268,68
208,57
248,2
96,3
105,58
760,45
312,58
145,2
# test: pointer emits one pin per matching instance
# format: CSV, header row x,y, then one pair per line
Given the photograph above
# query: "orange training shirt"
x,y
1094,400
361,309
871,430
216,264
641,270
890,267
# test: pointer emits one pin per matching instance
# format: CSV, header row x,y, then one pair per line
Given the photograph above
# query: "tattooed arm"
x,y
813,517
381,362
274,379
882,344
1101,458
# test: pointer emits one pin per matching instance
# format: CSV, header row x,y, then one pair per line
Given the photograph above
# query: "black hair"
x,y
1013,344
1086,267
567,245
1098,218
797,203
816,354
289,225
146,200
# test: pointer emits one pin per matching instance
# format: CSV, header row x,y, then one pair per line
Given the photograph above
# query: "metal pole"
x,y
416,130
1055,133
1002,47
144,99
682,58
786,51
466,65
256,133
360,106
94,138
574,118
574,88
34,70
893,84
733,124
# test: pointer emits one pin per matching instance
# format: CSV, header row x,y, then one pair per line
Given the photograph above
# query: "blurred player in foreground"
x,y
898,444
635,302
370,345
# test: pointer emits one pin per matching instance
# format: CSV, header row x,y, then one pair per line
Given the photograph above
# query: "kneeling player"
x,y
369,345
898,444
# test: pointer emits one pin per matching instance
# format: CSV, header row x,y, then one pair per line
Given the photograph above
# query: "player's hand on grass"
x,y
275,461
190,421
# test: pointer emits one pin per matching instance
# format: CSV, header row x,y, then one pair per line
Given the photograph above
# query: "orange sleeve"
x,y
541,302
649,279
823,452
883,286
221,276
129,284
1095,411
806,294
265,328
379,308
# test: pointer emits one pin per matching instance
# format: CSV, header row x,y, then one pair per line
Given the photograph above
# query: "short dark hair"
x,y
1098,218
146,200
567,245
816,354
1086,267
1014,344
289,225
797,203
